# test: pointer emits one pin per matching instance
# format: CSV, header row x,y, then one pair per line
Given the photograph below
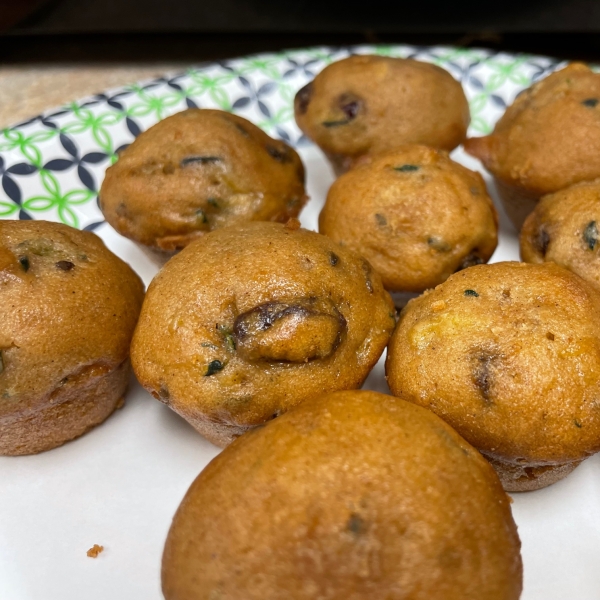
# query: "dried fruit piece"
x,y
303,98
214,366
472,259
590,235
64,265
482,374
282,155
299,330
542,240
24,262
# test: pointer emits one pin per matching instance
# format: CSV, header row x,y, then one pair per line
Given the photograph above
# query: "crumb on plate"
x,y
95,550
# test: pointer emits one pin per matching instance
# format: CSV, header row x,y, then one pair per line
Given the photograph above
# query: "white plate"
x,y
120,484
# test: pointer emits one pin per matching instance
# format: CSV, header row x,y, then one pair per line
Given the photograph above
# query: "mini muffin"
x,y
415,215
369,104
197,171
354,495
251,320
68,308
564,228
547,140
509,355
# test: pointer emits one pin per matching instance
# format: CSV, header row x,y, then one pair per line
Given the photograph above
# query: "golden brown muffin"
x,y
251,320
564,228
369,104
197,171
509,355
547,140
68,308
415,215
353,495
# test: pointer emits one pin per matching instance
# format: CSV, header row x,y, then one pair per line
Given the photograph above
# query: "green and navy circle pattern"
x,y
52,166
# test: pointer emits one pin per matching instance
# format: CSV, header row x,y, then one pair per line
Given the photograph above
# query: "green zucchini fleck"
x,y
334,259
590,102
356,524
201,215
214,366
227,334
381,220
590,235
577,423
438,244
407,168
471,293
213,202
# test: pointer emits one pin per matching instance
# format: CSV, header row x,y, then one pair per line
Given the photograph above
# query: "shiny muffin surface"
x,y
68,308
368,104
197,171
414,214
564,228
250,320
509,355
353,495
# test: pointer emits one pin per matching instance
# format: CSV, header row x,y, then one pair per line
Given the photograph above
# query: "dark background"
x,y
194,30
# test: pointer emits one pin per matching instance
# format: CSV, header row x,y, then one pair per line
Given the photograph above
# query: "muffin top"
x,y
67,306
564,228
549,138
369,104
250,320
352,495
414,214
196,171
509,355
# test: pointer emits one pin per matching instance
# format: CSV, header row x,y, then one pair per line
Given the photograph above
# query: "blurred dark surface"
x,y
310,16
194,30
194,48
